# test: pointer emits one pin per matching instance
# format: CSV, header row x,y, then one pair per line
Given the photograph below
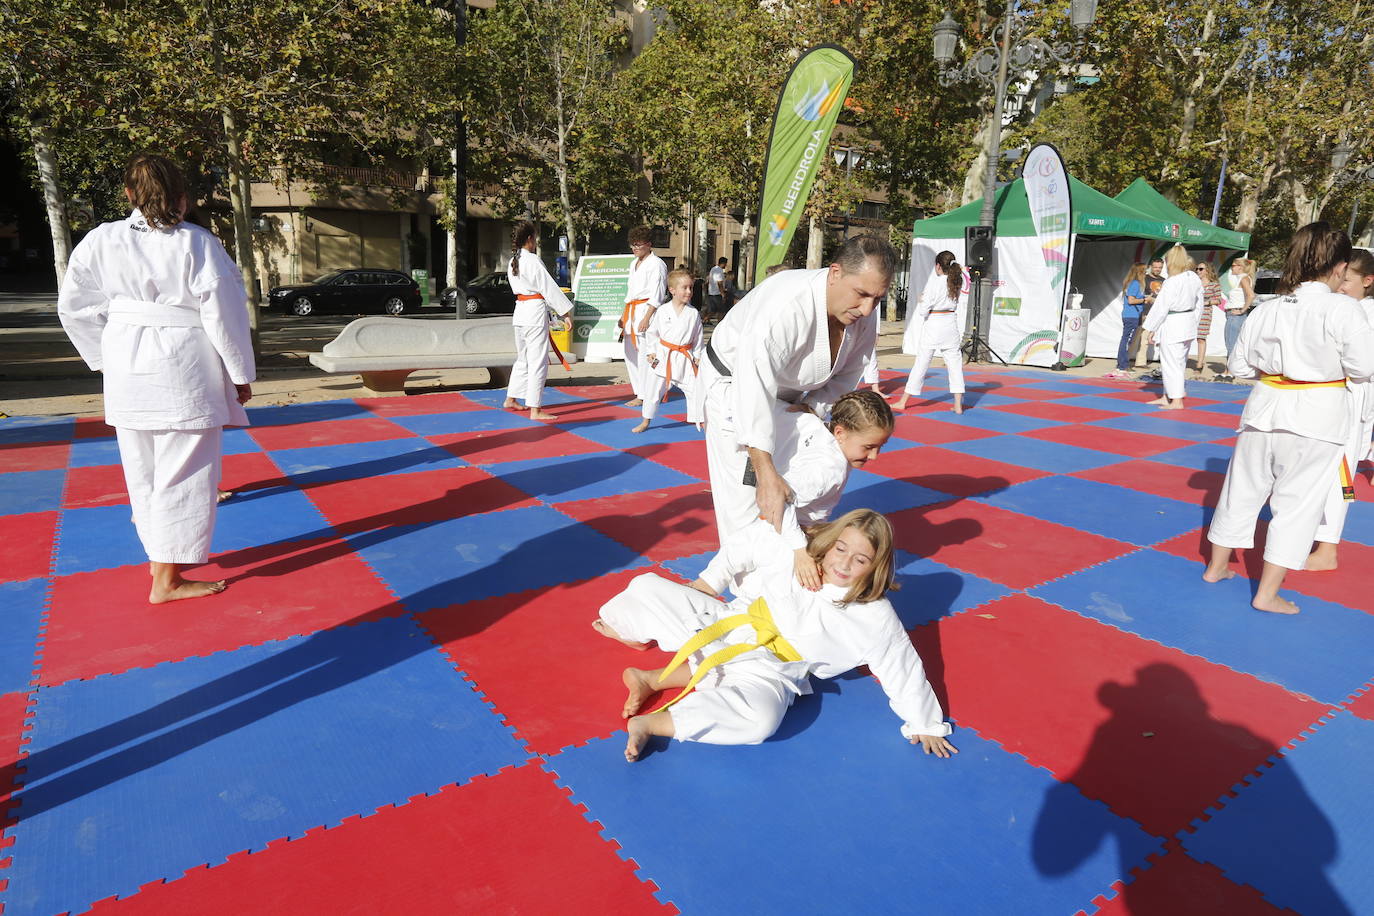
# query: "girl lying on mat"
x,y
745,661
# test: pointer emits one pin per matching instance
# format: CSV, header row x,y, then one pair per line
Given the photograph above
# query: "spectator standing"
x,y
1238,302
715,292
1132,309
1212,298
1154,279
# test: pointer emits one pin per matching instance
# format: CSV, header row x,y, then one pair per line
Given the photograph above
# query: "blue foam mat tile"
x,y
1359,523
1205,456
495,397
482,556
313,412
1232,407
1074,386
691,567
31,491
568,479
16,430
326,463
977,415
865,490
101,537
22,605
1322,652
1100,508
931,590
88,453
267,516
1302,831
839,769
1157,425
140,776
1219,391
1100,402
239,442
1040,454
617,433
463,421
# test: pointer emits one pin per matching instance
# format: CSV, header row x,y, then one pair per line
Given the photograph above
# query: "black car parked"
x,y
489,294
388,291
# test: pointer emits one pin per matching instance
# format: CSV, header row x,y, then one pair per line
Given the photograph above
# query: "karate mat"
x,y
399,705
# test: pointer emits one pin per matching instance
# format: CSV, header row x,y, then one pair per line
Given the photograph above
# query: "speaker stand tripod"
x,y
974,342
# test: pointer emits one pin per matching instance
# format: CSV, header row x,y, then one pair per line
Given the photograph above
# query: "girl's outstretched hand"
x,y
932,744
808,571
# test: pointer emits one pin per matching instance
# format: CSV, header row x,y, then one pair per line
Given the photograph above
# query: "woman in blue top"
x,y
1133,302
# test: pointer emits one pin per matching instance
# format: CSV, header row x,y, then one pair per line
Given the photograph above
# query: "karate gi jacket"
x,y
810,460
534,280
162,313
943,332
1177,309
776,344
648,280
1311,335
831,636
679,328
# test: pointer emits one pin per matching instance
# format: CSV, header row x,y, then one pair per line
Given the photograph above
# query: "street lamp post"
x,y
1010,51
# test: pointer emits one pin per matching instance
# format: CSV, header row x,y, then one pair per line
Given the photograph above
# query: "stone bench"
x,y
385,350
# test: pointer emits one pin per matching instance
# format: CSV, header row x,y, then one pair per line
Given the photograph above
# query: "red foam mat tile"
x,y
928,431
524,443
1063,412
101,623
1363,705
417,405
13,708
411,499
1179,885
1015,550
567,690
91,487
512,843
1156,734
1204,417
93,428
27,547
42,456
949,471
327,432
687,457
1104,439
658,524
1159,479
1027,393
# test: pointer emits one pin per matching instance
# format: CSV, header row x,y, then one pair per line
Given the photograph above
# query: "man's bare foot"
x,y
641,685
639,736
511,404
186,588
1275,605
1227,573
605,630
957,408
1323,559
1159,401
537,414
1172,406
222,495
635,402
643,425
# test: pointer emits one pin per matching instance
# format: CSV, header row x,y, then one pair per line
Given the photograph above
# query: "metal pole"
x,y
460,163
988,217
1216,201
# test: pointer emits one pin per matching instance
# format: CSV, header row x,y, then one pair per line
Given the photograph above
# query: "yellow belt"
x,y
769,638
1283,381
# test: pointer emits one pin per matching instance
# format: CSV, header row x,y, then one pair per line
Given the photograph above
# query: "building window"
x,y
663,237
869,209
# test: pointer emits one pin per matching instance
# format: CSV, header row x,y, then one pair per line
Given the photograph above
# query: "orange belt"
x,y
1284,382
686,351
625,321
530,297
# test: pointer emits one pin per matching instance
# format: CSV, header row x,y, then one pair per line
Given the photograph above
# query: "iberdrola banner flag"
x,y
808,106
1051,210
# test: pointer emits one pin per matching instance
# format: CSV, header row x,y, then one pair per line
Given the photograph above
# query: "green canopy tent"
x,y
1193,232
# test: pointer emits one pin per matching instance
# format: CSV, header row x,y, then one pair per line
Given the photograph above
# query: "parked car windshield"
x,y
494,279
329,277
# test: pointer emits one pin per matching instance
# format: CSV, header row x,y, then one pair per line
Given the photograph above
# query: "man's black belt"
x,y
716,360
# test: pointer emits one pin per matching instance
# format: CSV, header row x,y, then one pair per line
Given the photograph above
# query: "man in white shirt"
x,y
646,291
800,338
715,291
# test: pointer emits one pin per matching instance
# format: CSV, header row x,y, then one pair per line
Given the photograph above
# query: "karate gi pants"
x,y
1293,473
635,366
1333,513
735,503
1173,359
741,702
658,389
531,367
173,480
954,364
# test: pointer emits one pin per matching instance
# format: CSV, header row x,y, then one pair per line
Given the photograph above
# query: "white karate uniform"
x,y
1173,319
648,281
531,325
682,328
776,345
810,460
163,315
936,326
743,701
1355,448
1290,440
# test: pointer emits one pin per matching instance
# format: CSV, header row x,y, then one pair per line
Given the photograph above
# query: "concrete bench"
x,y
384,351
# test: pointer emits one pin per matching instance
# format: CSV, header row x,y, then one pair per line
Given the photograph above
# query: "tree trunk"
x,y
451,264
815,243
241,203
701,260
53,200
744,270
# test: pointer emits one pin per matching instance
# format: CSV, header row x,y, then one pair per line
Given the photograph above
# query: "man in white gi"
x,y
156,305
645,293
800,337
715,291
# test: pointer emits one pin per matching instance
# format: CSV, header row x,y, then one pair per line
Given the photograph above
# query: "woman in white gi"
x,y
747,660
535,293
799,338
1171,324
157,306
643,295
1358,285
673,347
936,326
1305,347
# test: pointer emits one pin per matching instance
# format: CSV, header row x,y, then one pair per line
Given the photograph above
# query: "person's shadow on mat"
x,y
1166,697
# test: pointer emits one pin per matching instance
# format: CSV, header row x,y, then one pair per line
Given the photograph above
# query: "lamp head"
x,y
1082,13
945,39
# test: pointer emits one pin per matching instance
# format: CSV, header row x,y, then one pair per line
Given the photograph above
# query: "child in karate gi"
x,y
1359,277
535,293
1305,347
643,295
673,345
157,306
936,326
746,661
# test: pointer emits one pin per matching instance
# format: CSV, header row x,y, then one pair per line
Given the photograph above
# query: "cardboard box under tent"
x,y
1108,235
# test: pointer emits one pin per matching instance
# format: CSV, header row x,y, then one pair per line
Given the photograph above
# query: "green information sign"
x,y
598,302
422,278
